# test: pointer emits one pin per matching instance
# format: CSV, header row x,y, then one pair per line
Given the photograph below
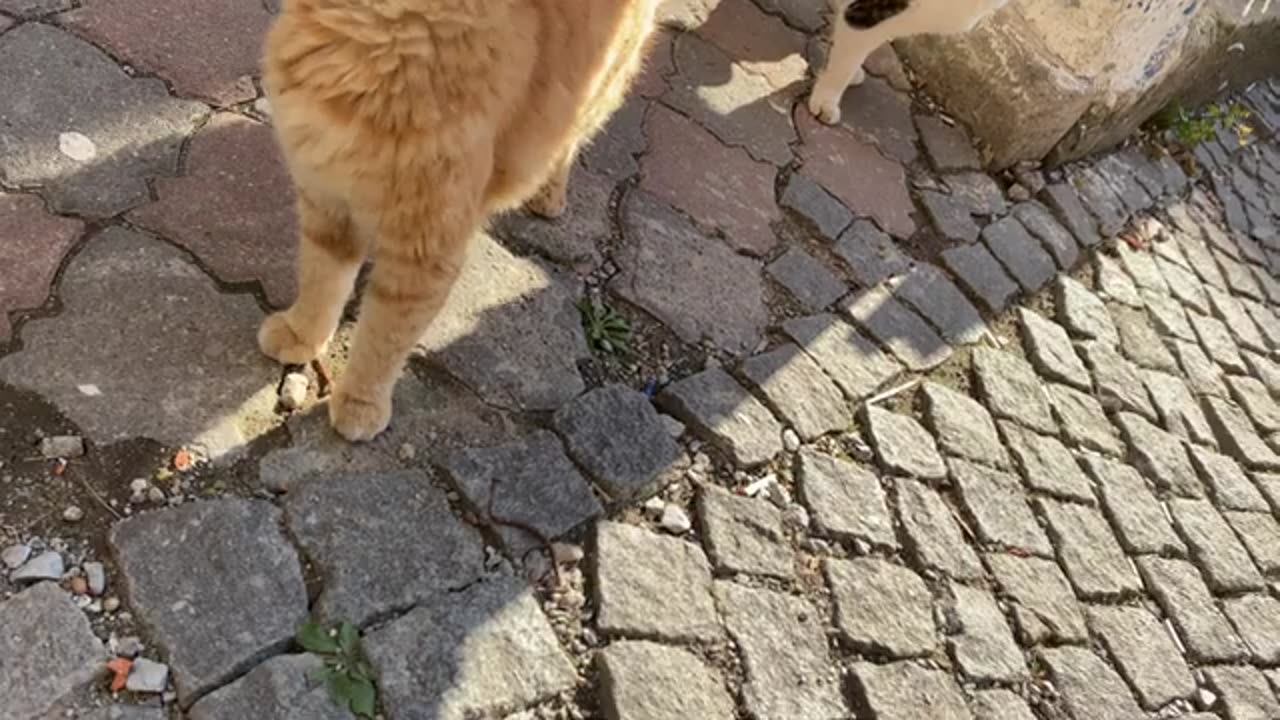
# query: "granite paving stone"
x,y
1239,279
1160,456
845,500
51,650
1203,376
1204,631
1256,400
359,531
1083,421
282,688
1118,382
530,481
743,535
631,670
1138,518
486,648
1231,311
1053,237
1228,485
1083,313
907,691
806,278
1225,563
1040,597
166,559
573,238
1184,287
933,537
982,644
1260,534
928,290
1257,619
949,216
1266,319
962,425
981,274
793,384
1120,177
1011,389
947,146
998,508
1093,560
876,112
882,608
651,586
1237,437
1018,251
1139,341
1264,369
1144,653
1200,259
1063,201
36,242
617,436
902,445
856,365
784,651
1090,689
764,44
1001,705
870,255
1046,464
912,340
1179,412
1113,283
1106,208
812,202
1168,316
716,406
1243,692
978,192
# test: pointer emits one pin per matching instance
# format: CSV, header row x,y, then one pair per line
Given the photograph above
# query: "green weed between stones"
x,y
1192,127
607,331
346,672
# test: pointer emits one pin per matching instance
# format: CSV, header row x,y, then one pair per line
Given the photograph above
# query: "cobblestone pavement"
x,y
895,439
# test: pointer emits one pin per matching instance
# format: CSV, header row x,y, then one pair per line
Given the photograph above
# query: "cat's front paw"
x,y
550,202
358,419
825,105
278,340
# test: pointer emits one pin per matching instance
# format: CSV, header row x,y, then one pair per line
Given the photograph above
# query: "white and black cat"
x,y
861,26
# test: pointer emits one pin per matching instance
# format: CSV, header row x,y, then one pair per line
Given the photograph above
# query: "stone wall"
x,y
1059,79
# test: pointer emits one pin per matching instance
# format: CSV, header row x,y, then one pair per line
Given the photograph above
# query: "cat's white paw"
x,y
279,341
825,105
358,419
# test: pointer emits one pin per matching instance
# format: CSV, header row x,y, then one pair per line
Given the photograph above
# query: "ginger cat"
x,y
405,125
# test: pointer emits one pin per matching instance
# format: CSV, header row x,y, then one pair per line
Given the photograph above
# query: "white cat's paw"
x,y
825,105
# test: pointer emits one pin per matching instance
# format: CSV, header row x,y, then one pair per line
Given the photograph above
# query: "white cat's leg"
x,y
849,49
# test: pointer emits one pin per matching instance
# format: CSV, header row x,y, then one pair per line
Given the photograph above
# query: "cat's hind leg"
x,y
850,47
330,253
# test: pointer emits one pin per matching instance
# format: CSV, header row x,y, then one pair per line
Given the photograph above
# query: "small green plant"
x,y
346,672
1193,127
606,330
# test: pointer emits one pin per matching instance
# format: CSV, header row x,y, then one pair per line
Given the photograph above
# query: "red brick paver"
x,y
33,245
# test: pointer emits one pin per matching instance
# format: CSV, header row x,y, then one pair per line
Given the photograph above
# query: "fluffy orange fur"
x,y
405,125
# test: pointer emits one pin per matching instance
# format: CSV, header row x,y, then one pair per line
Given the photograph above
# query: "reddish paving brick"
x,y
761,43
658,65
719,187
32,248
233,208
208,50
870,184
877,113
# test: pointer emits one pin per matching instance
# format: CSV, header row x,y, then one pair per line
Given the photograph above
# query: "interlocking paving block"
x,y
927,289
224,562
36,243
1144,653
1082,312
652,586
996,504
1256,400
1225,563
1065,204
907,691
1179,412
646,681
1113,283
1053,237
1160,456
902,445
1177,587
871,255
282,688
949,216
485,649
1083,420
615,434
50,648
716,406
793,384
933,537
1118,381
789,673
1138,518
128,130
530,481
1095,564
806,278
1229,487
845,500
1237,437
946,145
1011,389
1260,534
982,644
963,426
856,365
981,274
1244,692
1000,705
1026,260
1107,210
362,532
978,192
1204,377
1257,619
898,328
816,205
1050,350
1140,343
743,535
1040,597
1046,464
882,608
1168,316
1090,689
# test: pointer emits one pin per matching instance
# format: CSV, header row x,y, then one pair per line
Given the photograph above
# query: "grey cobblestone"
x,y
1138,518
806,278
1257,619
1090,689
1256,400
1239,278
1119,175
1020,253
1106,208
882,608
718,407
816,205
1112,282
51,651
1225,563
871,255
1182,595
1168,316
1229,487
1118,381
1053,237
1141,266
963,426
947,146
1011,389
1179,412
1144,653
1140,343
1229,309
793,385
1260,534
1082,312
949,216
927,289
845,500
903,446
998,507
1046,464
906,691
1043,605
743,535
1266,320
1160,456
1095,564
1236,436
1000,705
898,328
980,273
1083,420
1065,205
631,671
978,192
1263,368
1050,350
1203,375
933,537
1243,692
856,365
983,647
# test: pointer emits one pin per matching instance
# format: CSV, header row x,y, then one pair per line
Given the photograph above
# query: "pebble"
x,y
79,585
263,107
139,486
407,452
14,555
1206,698
675,520
654,506
147,676
45,566
790,440
1018,193
96,575
129,646
567,553
62,446
73,514
293,391
155,495
111,604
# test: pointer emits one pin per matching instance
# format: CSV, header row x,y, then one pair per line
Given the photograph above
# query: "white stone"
x,y
675,520
147,676
293,391
45,566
